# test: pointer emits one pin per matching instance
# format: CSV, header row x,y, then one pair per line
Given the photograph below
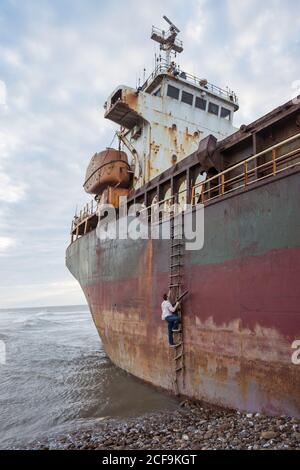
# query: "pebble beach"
x,y
193,426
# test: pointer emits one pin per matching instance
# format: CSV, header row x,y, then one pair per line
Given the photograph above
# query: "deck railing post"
x,y
188,186
246,172
72,228
202,193
222,184
274,154
193,202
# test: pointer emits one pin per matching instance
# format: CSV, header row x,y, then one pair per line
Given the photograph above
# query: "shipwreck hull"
x,y
242,313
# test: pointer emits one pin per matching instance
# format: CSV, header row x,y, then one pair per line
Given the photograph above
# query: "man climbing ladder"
x,y
168,314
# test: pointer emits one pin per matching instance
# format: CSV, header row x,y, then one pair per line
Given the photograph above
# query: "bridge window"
x,y
225,113
157,92
187,97
213,108
200,103
173,92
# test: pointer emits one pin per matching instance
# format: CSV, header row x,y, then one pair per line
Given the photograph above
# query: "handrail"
x,y
88,210
273,163
164,67
245,163
159,31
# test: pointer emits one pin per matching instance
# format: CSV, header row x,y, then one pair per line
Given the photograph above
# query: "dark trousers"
x,y
173,322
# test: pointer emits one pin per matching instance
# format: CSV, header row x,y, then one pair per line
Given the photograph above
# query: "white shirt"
x,y
167,309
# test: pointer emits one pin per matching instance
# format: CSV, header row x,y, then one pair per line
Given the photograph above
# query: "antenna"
x,y
167,40
171,24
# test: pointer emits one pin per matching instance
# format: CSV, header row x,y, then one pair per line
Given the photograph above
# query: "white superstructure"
x,y
164,120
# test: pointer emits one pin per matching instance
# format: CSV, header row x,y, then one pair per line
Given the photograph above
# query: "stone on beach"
x,y
193,426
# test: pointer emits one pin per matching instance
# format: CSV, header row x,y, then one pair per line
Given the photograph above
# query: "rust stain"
x,y
221,373
131,99
133,337
145,281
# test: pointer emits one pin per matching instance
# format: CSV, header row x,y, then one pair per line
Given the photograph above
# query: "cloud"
x,y
10,57
8,191
42,294
250,46
6,244
196,27
2,93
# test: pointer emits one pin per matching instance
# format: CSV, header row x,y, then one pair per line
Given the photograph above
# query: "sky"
x,y
61,59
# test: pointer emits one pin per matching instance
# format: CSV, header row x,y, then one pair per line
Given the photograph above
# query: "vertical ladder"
x,y
175,290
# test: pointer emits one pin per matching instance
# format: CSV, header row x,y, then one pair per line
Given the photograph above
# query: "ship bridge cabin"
x,y
164,120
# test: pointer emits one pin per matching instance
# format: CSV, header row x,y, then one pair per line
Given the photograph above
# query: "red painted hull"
x,y
240,317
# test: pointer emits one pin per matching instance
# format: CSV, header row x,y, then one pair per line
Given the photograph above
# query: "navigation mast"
x,y
167,39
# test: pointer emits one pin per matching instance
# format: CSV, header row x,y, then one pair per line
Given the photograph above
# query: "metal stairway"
x,y
175,291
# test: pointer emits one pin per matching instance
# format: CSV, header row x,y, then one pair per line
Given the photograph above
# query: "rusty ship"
x,y
241,317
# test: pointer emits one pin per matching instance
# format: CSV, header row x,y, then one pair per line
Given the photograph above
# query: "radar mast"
x,y
167,39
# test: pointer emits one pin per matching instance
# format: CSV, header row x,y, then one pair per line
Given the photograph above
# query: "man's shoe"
x,y
174,345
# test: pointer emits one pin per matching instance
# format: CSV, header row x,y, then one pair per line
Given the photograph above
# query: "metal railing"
x,y
166,35
247,172
88,210
203,85
236,177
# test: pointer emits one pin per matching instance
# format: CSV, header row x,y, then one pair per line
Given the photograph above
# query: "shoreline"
x,y
193,426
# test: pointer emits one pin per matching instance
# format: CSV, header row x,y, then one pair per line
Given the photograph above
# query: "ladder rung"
x,y
177,247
